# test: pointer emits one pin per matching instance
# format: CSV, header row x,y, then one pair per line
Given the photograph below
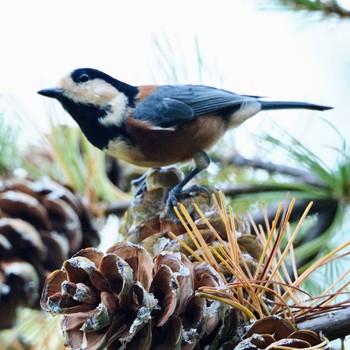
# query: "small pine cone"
x,y
124,299
147,223
147,215
275,333
147,220
42,223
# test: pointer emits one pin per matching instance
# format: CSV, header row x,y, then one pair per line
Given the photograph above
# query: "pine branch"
x,y
303,176
333,325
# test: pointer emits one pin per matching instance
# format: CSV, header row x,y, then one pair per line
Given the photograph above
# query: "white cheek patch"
x,y
99,93
96,91
117,112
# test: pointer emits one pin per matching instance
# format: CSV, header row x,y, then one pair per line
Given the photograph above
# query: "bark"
x,y
333,325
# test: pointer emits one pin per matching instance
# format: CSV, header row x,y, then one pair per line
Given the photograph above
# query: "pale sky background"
x,y
281,54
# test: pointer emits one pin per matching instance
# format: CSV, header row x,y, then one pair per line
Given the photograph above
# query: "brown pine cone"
x,y
277,333
42,223
147,223
124,299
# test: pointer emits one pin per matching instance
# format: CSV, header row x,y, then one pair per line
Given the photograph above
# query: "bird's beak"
x,y
51,92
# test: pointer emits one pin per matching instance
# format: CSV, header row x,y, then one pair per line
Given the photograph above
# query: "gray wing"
x,y
170,106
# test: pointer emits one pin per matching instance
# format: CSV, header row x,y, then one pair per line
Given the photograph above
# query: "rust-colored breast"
x,y
161,147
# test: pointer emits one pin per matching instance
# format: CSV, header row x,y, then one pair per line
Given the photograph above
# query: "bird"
x,y
157,125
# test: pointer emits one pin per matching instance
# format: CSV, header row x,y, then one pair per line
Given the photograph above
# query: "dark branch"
x,y
333,325
320,206
303,176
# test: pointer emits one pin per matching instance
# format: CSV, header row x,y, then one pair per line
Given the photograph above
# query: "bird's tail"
x,y
266,105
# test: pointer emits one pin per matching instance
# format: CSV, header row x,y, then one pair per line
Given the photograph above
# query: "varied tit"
x,y
156,125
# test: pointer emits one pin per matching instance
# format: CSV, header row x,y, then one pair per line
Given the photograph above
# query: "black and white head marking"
x,y
91,88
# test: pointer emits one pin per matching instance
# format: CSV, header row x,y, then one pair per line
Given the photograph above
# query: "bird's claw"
x,y
176,194
139,185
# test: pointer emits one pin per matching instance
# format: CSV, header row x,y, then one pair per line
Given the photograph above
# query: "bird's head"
x,y
90,93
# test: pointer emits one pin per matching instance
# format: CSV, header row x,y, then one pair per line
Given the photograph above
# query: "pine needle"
x,y
248,291
186,247
227,301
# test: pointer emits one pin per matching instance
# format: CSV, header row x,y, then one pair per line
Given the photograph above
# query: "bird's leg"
x,y
201,161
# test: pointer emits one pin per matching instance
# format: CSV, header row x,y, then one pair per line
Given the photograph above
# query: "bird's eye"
x,y
83,78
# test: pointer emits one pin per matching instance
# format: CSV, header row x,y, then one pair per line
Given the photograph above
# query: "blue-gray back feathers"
x,y
170,106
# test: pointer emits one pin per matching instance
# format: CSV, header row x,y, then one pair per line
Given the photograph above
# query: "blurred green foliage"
x,y
328,7
66,155
9,152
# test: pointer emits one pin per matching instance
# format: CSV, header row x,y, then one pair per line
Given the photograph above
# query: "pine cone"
x,y
147,214
147,222
124,299
42,223
276,333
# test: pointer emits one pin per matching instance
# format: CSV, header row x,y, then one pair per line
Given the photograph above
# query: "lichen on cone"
x,y
42,223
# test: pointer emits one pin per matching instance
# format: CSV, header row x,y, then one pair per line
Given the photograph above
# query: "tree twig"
x,y
333,325
303,176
